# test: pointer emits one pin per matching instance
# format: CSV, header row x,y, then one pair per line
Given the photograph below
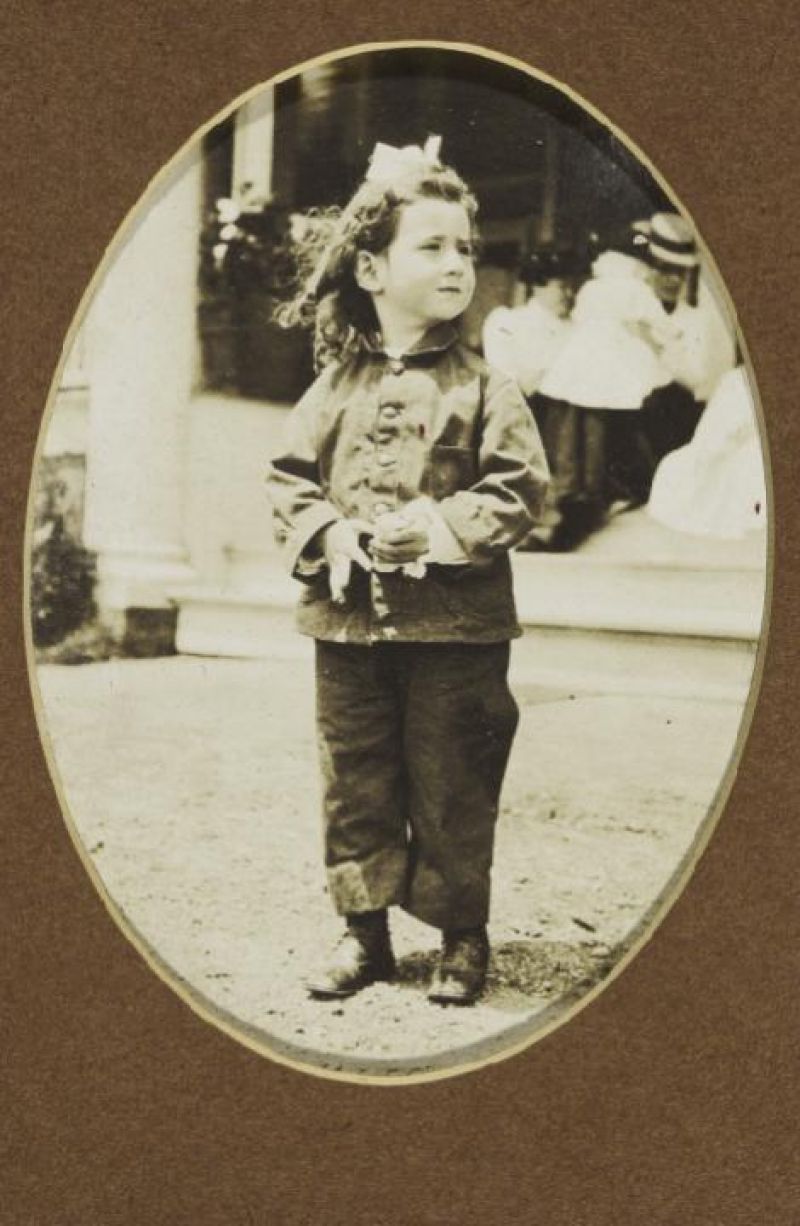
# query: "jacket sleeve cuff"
x,y
302,563
480,531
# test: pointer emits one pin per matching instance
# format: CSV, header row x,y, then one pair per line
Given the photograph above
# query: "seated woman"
x,y
696,343
601,376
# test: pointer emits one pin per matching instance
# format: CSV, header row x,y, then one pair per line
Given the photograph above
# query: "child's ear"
x,y
367,272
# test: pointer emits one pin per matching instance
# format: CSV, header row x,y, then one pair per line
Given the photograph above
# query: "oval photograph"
x,y
397,562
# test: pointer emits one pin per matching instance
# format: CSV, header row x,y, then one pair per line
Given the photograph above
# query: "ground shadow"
x,y
524,974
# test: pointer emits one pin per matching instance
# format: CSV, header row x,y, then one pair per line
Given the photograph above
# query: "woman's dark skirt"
x,y
599,457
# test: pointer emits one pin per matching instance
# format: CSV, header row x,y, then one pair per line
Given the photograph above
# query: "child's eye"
x,y
466,249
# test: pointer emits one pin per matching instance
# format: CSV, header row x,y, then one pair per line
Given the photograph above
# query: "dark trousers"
x,y
414,740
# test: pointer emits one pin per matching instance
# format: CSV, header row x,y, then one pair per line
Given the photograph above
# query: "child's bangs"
x,y
444,185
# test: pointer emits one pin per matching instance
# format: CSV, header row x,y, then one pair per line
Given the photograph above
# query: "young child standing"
x,y
409,471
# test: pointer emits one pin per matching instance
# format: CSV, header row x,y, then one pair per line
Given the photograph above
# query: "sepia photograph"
x,y
398,562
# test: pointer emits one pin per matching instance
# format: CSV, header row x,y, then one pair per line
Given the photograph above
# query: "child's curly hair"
x,y
326,244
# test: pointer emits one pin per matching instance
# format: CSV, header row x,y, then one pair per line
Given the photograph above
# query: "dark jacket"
x,y
375,432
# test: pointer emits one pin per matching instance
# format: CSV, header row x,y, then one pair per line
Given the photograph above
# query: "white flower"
x,y
227,209
229,232
219,251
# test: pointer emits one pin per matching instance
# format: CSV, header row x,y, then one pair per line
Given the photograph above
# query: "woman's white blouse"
x,y
523,342
610,359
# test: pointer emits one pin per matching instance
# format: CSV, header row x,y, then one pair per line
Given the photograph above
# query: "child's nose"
x,y
455,260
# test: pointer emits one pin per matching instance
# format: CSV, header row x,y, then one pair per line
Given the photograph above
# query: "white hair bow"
x,y
388,163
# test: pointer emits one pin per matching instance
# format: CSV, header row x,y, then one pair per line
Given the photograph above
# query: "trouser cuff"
x,y
370,884
431,901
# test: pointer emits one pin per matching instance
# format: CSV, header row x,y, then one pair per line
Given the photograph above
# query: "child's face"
x,y
426,275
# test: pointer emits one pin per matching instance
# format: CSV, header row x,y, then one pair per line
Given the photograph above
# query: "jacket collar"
x,y
438,338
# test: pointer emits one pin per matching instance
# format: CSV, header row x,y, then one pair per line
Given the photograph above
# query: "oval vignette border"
x,y
472,1057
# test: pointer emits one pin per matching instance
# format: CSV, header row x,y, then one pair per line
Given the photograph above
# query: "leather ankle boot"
x,y
362,956
460,976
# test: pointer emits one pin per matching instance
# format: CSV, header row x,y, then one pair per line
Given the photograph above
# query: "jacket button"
x,y
396,366
390,410
385,460
382,508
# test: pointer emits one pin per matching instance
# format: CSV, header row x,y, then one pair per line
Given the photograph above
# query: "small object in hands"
x,y
362,956
399,543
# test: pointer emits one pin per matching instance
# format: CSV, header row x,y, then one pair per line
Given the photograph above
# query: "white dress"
x,y
608,360
523,342
715,485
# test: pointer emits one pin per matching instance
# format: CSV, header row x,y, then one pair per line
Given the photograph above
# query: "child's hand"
x,y
341,547
400,537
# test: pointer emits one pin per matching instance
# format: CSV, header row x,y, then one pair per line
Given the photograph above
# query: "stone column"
x,y
142,362
254,134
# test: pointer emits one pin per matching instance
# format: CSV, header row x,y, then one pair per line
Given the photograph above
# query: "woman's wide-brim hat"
x,y
671,243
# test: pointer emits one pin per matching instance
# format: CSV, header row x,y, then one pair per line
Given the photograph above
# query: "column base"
x,y
132,602
141,633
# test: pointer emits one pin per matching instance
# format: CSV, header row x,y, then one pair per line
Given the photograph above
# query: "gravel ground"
x,y
192,786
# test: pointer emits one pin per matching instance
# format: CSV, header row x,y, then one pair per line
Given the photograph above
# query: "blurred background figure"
x,y
696,344
606,367
524,340
715,485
